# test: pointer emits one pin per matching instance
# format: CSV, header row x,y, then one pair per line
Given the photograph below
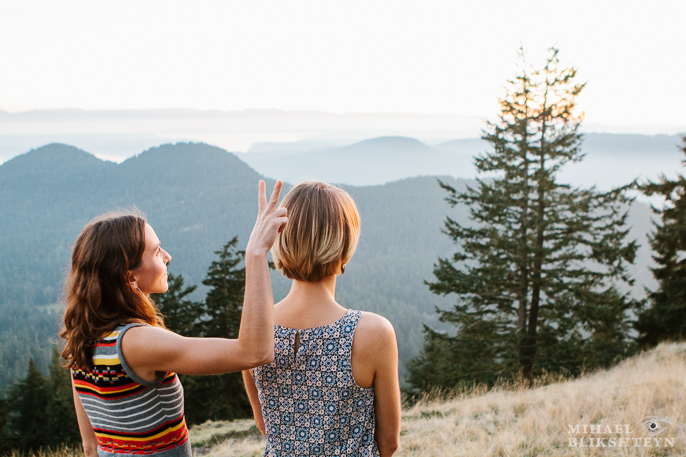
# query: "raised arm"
x,y
256,333
148,350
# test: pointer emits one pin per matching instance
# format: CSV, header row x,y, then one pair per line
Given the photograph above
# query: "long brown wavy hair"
x,y
98,291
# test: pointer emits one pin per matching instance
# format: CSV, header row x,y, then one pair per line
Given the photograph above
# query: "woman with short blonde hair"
x,y
328,229
332,388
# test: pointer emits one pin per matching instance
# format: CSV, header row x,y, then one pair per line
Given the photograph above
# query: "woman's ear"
x,y
132,280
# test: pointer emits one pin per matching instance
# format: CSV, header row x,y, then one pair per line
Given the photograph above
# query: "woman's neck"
x,y
309,304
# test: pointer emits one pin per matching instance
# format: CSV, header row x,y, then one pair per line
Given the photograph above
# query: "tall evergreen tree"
x,y
180,314
665,319
534,274
219,397
27,402
224,301
61,426
7,442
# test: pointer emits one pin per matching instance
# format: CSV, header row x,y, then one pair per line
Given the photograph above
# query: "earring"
x,y
134,285
343,269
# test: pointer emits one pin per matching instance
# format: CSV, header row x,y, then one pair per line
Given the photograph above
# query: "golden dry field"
x,y
606,413
512,421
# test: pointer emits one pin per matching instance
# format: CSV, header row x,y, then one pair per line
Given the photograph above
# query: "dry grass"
x,y
513,421
62,451
536,422
207,439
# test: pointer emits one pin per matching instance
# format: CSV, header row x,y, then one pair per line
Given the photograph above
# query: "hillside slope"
x,y
619,403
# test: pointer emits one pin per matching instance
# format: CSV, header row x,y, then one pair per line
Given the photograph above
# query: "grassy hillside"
x,y
513,421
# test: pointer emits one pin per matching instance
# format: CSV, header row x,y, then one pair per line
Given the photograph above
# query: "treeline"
x,y
26,332
39,410
536,281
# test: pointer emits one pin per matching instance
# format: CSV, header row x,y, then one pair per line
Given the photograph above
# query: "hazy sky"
x,y
438,57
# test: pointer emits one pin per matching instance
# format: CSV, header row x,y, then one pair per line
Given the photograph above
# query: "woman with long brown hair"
x,y
123,361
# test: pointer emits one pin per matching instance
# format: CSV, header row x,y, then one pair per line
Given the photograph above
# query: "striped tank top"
x,y
130,415
310,401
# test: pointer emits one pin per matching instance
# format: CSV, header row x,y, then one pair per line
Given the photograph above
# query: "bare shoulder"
x,y
374,329
143,332
147,340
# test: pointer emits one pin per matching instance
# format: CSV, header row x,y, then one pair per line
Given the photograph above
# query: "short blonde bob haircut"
x,y
322,232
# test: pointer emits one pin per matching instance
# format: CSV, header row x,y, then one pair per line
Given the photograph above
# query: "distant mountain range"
x,y
197,197
381,160
118,134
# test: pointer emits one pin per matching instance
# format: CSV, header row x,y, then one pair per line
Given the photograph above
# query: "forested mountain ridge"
x,y
197,197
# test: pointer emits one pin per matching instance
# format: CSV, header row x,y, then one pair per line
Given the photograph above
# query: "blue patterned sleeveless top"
x,y
310,401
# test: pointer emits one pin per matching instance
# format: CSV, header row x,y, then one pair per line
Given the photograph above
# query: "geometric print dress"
x,y
310,401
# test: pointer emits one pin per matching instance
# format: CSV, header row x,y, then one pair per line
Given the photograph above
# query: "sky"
x,y
371,56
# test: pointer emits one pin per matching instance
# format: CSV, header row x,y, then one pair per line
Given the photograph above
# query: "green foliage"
x,y
665,319
40,409
219,397
25,332
180,313
6,442
224,301
27,403
534,273
61,426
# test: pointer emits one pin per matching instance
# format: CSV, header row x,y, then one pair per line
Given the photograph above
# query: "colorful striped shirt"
x,y
130,415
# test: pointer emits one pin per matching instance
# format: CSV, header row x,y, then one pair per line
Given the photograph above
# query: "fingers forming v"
x,y
261,195
275,195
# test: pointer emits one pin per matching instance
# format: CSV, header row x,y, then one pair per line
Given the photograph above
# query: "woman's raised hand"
x,y
270,220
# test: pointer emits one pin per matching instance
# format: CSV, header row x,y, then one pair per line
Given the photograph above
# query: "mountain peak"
x,y
54,158
386,144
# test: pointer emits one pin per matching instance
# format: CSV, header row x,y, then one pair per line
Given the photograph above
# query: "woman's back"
x,y
129,414
310,401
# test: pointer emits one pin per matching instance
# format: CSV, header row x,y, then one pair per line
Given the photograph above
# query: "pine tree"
x,y
61,426
27,402
224,301
6,441
220,397
666,318
534,273
180,314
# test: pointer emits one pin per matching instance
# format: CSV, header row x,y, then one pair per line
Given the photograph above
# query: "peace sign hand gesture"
x,y
270,220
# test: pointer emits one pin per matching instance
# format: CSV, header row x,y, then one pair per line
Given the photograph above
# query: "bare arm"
x,y
88,439
387,395
148,350
254,401
375,362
